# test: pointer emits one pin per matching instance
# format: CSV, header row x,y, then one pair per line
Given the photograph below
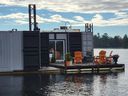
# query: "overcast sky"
x,y
110,16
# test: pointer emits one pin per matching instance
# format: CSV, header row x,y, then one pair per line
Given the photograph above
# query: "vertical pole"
x,y
34,13
85,27
68,42
30,22
92,27
92,42
32,18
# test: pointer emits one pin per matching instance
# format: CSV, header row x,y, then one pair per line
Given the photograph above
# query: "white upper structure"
x,y
63,29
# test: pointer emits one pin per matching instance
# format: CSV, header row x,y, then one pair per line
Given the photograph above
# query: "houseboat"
x,y
32,50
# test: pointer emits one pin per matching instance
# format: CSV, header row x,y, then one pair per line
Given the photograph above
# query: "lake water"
x,y
110,84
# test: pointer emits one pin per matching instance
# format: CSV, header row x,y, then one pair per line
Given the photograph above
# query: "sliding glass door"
x,y
57,48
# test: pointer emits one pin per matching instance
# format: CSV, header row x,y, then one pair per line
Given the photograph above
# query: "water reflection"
x,y
60,85
73,85
11,85
35,85
106,85
113,84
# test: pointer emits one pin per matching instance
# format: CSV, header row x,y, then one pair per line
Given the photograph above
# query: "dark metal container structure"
x,y
31,50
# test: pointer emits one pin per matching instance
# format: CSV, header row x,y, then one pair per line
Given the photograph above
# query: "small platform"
x,y
72,69
94,68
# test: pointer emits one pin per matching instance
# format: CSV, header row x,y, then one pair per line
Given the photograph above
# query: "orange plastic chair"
x,y
78,57
102,57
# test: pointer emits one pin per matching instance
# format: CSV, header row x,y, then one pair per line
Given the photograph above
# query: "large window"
x,y
57,48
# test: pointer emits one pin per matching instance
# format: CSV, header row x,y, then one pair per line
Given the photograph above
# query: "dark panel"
x,y
31,50
75,42
35,85
44,49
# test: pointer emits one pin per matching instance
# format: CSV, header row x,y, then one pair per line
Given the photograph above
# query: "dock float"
x,y
94,68
72,69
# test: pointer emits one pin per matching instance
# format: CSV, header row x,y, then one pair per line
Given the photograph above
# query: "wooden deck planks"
x,y
85,66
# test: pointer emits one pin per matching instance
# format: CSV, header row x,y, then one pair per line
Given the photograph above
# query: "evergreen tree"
x,y
125,41
106,41
117,42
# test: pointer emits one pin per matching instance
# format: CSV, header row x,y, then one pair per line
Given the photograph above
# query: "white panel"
x,y
89,48
84,43
89,37
84,53
5,56
61,36
11,51
51,36
16,49
84,49
84,37
87,42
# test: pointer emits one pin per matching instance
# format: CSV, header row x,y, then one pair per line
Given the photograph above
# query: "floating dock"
x,y
72,69
93,68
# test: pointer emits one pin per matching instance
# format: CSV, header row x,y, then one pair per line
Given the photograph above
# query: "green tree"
x,y
105,41
97,41
125,41
117,42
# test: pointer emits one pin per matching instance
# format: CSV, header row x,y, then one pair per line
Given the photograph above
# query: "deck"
x,y
72,69
94,68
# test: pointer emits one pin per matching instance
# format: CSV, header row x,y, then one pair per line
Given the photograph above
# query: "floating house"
x,y
35,49
31,50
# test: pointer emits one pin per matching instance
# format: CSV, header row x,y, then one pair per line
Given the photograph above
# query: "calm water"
x,y
112,84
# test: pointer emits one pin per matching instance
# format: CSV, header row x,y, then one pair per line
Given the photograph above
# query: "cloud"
x,y
79,18
14,16
21,22
19,18
22,18
121,15
79,6
59,18
98,20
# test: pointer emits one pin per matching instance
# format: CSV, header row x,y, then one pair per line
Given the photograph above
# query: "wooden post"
x,y
65,67
92,70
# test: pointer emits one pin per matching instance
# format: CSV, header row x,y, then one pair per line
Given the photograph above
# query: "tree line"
x,y
106,41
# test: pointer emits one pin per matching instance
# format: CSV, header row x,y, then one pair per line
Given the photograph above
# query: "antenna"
x,y
32,18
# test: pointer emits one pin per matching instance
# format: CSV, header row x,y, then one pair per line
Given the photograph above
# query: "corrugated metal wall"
x,y
11,51
44,49
21,50
31,50
87,42
75,42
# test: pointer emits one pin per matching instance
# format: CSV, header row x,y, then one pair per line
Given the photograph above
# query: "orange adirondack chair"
x,y
78,57
102,57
